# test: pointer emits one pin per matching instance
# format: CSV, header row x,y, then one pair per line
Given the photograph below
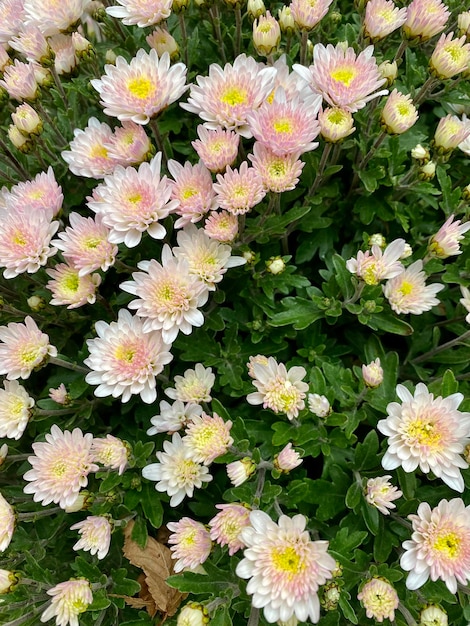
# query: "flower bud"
x,y
36,303
463,23
239,471
3,453
420,154
389,71
110,57
26,120
255,8
287,460
192,614
433,615
8,581
379,599
249,256
428,171
399,113
83,502
449,133
162,41
266,34
330,596
335,124
22,143
407,252
450,57
373,374
319,405
286,20
178,6
275,265
377,239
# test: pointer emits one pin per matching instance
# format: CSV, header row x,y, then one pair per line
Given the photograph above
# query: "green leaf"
x,y
353,495
371,517
389,323
407,482
343,276
449,384
298,312
214,582
139,532
151,505
347,609
112,480
122,585
100,601
365,456
383,544
221,617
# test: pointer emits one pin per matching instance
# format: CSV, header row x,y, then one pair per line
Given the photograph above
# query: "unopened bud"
x,y
428,171
286,20
275,265
26,120
255,8
8,581
193,614
420,154
319,405
377,239
22,143
266,34
110,57
389,71
36,303
239,471
330,596
433,615
178,6
373,374
162,41
287,459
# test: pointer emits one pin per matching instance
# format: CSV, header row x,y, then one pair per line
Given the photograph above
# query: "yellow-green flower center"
x,y
140,87
344,75
234,96
406,288
287,560
283,125
448,545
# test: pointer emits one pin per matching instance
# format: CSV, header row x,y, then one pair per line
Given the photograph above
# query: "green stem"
x,y
159,140
37,514
15,164
425,89
260,484
215,19
303,47
321,168
238,29
441,348
57,413
184,38
254,617
401,49
69,366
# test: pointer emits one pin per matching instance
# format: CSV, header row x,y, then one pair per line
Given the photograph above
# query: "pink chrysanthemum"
x,y
238,191
24,347
69,288
381,18
163,41
15,409
278,172
60,395
408,292
425,18
65,57
7,523
379,599
226,526
111,452
69,599
141,89
216,148
41,194
308,14
61,465
279,389
285,567
227,95
173,417
450,133
374,265
11,19
176,473
95,535
20,81
439,547
54,17
130,144
125,359
85,244
342,78
427,432
446,242
399,113
380,493
169,296
191,191
207,437
287,459
88,155
190,543
134,201
141,12
32,44
450,56
194,386
221,226
239,471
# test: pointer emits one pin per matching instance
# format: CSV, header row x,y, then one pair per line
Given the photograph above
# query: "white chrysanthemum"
x,y
69,599
95,535
427,432
54,16
141,12
194,386
207,437
176,473
7,523
173,417
374,265
88,155
15,409
408,293
125,360
111,452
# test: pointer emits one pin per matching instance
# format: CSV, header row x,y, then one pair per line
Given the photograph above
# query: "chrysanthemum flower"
x,y
465,301
69,599
450,132
227,95
279,389
7,523
380,493
342,78
65,58
278,172
32,44
141,89
11,19
335,124
134,201
111,452
221,226
20,81
95,535
130,144
287,459
143,14
399,113
169,296
319,405
216,148
372,373
266,34
446,242
408,292
24,347
239,471
192,614
425,18
379,599
52,18
173,417
61,465
427,432
85,244
190,543
207,437
308,14
41,194
374,265
381,18
15,409
238,191
191,191
71,289
285,567
88,155
163,41
27,120
226,526
433,615
194,386
177,473
125,359
439,547
450,56
8,581
60,395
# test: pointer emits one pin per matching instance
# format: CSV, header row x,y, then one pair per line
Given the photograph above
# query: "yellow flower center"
x,y
370,275
406,288
19,239
386,14
78,606
140,87
98,152
187,540
71,282
283,125
277,169
455,51
135,198
403,109
336,116
448,545
189,192
234,96
92,242
58,468
287,560
422,431
29,354
124,353
35,194
344,75
16,407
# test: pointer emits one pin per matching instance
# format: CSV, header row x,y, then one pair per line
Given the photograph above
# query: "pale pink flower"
x,y
125,360
227,95
446,242
373,374
379,599
11,19
24,347
399,113
266,34
20,81
85,244
173,417
60,395
4,56
163,41
130,144
208,259
7,523
259,358
287,459
374,265
132,202
408,292
450,56
71,289
61,465
176,473
216,148
191,191
278,172
319,405
465,301
8,581
221,226
286,126
53,17
65,57
111,452
293,85
239,471
194,386
285,567
32,44
427,432
335,124
95,535
439,547
192,614
342,78
15,409
425,18
279,389
190,543
450,132
41,194
308,14
238,191
381,18
207,437
88,155
226,526
26,120
69,599
141,12
433,615
142,88
168,296
380,493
